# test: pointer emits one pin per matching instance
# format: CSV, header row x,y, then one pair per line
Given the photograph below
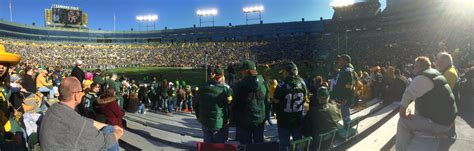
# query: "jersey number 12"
x,y
294,102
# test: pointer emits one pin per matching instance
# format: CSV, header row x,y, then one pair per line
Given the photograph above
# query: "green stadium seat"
x,y
347,133
301,144
330,135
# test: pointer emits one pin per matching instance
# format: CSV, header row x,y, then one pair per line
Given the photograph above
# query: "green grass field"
x,y
191,76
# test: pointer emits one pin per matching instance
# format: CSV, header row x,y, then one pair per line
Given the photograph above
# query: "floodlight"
x,y
207,12
252,9
149,18
342,3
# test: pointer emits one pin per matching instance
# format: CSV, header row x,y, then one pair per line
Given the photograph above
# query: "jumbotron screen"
x,y
67,16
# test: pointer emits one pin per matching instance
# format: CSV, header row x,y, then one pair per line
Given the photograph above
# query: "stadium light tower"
x,y
147,19
206,12
253,9
10,7
342,3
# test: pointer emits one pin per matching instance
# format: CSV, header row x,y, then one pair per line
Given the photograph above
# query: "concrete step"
x,y
370,120
379,138
373,106
185,129
165,137
142,143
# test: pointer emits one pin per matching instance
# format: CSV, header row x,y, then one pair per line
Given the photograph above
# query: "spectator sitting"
x,y
108,106
45,85
323,116
64,129
134,103
27,80
397,87
434,106
90,101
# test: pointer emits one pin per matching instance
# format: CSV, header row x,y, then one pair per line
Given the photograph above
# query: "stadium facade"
x,y
222,33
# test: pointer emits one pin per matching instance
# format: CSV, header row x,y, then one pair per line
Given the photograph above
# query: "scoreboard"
x,y
65,16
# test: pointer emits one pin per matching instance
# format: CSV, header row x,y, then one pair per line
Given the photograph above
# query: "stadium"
x,y
193,88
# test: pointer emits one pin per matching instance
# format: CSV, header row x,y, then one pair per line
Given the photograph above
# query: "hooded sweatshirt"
x,y
111,110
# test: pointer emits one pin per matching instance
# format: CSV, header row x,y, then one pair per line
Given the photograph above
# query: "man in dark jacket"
x,y
27,80
212,108
250,95
323,116
77,71
289,99
344,90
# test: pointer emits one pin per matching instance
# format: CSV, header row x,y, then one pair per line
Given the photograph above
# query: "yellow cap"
x,y
11,58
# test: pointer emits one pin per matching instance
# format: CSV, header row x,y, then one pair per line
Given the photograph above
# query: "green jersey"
x,y
345,85
213,100
250,95
291,96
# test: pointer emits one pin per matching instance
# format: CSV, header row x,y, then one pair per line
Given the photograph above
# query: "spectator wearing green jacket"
x,y
323,116
250,95
99,80
116,85
212,108
344,89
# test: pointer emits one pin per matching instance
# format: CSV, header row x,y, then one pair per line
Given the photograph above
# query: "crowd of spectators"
x,y
381,57
184,54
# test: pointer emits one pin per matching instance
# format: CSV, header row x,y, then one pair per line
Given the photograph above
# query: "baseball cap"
x,y
323,92
291,68
345,57
79,62
248,65
219,72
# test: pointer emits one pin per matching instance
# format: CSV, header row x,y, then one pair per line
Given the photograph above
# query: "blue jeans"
x,y
46,89
346,115
109,130
172,104
249,136
219,136
141,108
164,104
284,136
190,104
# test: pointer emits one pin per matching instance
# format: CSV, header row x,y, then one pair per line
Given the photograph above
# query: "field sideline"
x,y
190,75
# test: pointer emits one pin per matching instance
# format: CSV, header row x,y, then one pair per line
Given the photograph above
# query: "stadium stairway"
x,y
380,137
376,117
182,130
383,138
376,130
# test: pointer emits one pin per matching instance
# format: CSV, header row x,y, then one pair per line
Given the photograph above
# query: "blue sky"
x,y
172,13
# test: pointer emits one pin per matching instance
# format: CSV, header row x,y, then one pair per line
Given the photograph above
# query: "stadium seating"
x,y
216,147
327,137
301,144
347,133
